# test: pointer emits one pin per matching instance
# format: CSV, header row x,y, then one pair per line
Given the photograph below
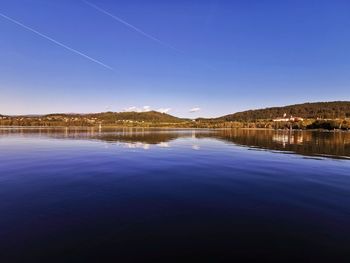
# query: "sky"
x,y
188,58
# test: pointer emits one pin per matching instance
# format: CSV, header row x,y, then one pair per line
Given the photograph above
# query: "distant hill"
x,y
260,118
111,117
324,110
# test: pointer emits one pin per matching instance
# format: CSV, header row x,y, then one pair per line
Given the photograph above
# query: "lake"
x,y
137,195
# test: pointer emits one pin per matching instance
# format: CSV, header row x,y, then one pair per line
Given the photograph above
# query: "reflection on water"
x,y
309,143
136,195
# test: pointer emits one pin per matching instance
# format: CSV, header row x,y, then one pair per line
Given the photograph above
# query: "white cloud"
x,y
132,108
164,110
146,108
195,109
137,109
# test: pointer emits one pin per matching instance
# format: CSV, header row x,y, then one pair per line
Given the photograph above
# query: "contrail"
x,y
55,41
130,26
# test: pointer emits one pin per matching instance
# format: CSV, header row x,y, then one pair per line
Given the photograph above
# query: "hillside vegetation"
x,y
110,117
320,115
322,110
151,116
105,118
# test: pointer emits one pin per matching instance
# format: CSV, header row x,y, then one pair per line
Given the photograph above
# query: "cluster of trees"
x,y
43,122
341,124
129,119
149,116
322,110
330,124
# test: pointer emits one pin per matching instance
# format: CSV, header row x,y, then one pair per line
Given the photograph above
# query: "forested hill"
x,y
149,116
93,119
324,110
111,117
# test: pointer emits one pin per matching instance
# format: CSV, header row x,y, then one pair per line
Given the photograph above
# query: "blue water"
x,y
169,196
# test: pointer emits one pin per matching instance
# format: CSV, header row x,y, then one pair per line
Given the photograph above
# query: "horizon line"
x,y
77,113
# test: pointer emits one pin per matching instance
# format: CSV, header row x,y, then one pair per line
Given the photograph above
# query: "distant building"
x,y
291,119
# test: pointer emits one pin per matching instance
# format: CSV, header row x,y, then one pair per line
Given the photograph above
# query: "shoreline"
x,y
163,128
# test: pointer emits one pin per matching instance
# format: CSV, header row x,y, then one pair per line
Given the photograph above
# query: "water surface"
x,y
135,195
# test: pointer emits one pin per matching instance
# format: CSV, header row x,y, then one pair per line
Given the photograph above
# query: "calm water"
x,y
170,196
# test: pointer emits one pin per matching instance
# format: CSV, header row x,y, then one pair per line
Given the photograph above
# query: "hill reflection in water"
x,y
307,143
131,194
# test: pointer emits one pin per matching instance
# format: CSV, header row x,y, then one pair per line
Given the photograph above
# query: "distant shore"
x,y
107,127
333,115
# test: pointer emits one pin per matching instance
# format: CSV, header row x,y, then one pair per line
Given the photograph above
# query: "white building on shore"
x,y
285,119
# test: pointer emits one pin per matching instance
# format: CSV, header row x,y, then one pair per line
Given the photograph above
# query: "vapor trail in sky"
x,y
55,41
130,26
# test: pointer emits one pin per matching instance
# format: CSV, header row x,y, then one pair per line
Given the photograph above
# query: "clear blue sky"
x,y
219,56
